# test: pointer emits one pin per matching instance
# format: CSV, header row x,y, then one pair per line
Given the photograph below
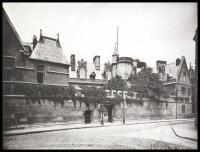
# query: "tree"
x,y
147,85
93,95
116,83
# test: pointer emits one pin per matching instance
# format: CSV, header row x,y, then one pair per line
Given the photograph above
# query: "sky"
x,y
147,31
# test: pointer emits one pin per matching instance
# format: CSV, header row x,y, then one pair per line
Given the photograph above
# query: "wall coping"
x,y
56,72
22,82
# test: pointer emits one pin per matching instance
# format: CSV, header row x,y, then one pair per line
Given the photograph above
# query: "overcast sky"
x,y
147,31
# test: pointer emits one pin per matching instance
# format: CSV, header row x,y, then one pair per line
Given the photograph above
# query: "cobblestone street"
x,y
139,136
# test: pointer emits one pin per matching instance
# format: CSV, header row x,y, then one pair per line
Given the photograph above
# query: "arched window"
x,y
184,76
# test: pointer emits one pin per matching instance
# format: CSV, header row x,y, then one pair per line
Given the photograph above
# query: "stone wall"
x,y
43,112
48,112
154,110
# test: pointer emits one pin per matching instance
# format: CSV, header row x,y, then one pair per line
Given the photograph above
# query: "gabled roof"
x,y
49,49
93,73
13,29
174,71
28,47
195,35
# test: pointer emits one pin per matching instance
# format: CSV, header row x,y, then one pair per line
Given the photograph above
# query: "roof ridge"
x,y
171,63
13,28
49,38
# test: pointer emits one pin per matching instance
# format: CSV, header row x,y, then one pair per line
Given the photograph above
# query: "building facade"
x,y
40,62
176,79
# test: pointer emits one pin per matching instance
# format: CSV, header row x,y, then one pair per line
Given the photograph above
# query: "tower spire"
x,y
116,44
117,39
115,54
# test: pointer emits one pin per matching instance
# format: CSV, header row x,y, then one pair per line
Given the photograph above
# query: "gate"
x,y
87,114
110,114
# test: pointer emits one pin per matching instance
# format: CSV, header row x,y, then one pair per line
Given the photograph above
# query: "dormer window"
x,y
40,73
92,76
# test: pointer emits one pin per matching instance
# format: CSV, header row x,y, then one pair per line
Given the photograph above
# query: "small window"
x,y
183,108
183,91
189,92
184,77
21,61
92,76
40,73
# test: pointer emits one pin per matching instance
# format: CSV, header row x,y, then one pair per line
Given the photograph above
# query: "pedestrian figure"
x,y
17,118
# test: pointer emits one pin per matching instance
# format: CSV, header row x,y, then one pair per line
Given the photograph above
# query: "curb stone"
x,y
183,136
95,126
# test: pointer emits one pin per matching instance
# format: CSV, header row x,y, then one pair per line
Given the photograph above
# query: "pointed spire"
x,y
40,32
116,45
58,36
115,50
117,39
41,38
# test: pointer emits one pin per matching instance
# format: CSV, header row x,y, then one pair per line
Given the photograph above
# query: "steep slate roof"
x,y
49,49
28,46
13,28
172,70
195,35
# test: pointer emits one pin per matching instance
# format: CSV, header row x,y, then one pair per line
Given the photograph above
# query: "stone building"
x,y
84,73
193,84
195,88
176,79
43,62
122,66
39,62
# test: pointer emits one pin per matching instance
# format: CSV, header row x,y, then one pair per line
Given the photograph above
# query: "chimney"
x,y
160,66
41,40
34,41
96,62
40,32
178,61
58,42
73,62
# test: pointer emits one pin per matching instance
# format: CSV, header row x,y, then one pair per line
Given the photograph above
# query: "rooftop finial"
x,y
190,66
58,36
40,32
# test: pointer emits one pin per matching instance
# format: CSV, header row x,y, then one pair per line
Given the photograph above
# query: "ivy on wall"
x,y
38,92
59,94
134,101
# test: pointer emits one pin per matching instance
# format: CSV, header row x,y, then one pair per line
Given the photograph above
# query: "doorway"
x,y
110,115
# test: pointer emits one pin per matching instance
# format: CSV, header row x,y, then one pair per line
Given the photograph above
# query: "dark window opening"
x,y
40,77
184,77
183,91
92,76
183,108
21,62
40,73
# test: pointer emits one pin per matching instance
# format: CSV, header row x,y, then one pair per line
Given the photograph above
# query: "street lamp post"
x,y
123,112
102,114
176,107
123,95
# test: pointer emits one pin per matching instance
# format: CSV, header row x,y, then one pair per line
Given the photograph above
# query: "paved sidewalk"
x,y
186,131
37,128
